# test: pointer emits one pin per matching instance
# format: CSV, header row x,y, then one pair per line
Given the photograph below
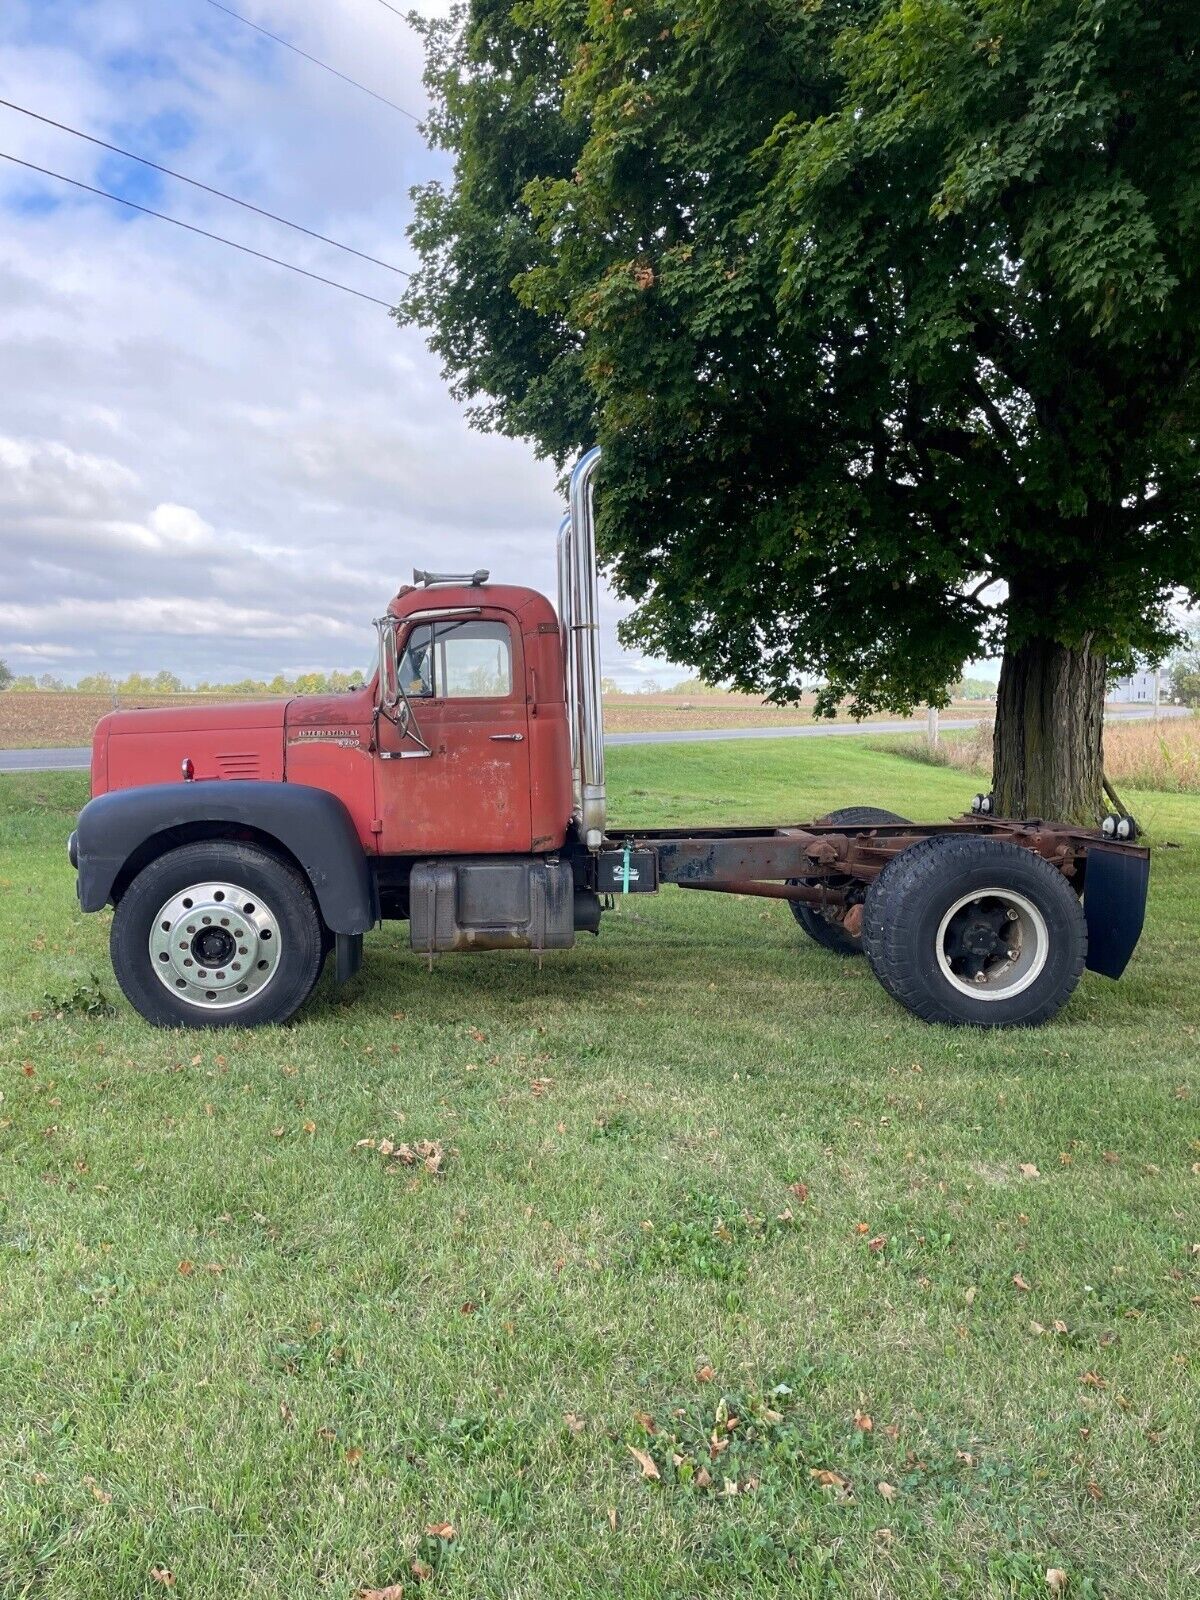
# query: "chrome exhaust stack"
x,y
579,619
564,623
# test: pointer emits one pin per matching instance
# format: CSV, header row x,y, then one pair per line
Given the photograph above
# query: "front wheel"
x,y
976,931
217,934
824,927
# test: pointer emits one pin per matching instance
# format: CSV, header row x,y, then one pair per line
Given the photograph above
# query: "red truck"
x,y
462,790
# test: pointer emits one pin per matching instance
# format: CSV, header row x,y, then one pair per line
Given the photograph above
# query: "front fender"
x,y
311,825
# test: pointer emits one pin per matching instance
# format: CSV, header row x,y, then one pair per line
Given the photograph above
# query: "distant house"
x,y
1138,689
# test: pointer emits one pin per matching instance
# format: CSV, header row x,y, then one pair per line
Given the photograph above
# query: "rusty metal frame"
x,y
833,862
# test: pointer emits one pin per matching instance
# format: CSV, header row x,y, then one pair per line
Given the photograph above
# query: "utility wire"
x,y
191,228
196,184
395,10
288,45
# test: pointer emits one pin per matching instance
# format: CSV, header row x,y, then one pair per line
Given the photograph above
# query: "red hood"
x,y
229,715
238,739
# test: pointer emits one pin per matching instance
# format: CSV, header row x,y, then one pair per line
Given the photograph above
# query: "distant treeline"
x,y
164,682
169,683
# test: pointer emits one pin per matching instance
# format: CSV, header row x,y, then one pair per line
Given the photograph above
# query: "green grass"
x,y
354,1350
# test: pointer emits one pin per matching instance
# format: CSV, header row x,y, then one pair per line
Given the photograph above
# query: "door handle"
x,y
511,738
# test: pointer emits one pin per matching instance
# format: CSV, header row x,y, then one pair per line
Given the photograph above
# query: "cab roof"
x,y
530,607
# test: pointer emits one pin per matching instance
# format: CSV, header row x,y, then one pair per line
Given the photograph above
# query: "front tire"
x,y
217,934
975,931
820,926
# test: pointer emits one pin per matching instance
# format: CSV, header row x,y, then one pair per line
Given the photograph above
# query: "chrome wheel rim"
x,y
992,944
215,946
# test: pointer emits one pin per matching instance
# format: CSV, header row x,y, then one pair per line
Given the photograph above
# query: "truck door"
x,y
464,677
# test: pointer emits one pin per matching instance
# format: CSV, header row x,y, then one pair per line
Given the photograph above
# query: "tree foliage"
x,y
884,312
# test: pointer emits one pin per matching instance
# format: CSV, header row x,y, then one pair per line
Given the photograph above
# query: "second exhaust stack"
x,y
579,618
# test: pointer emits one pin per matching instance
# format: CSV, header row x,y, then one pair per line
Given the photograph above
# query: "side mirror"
x,y
389,673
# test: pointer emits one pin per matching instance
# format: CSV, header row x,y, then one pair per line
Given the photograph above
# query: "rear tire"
x,y
822,928
217,934
975,931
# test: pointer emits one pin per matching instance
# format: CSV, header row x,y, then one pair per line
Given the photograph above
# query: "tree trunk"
x,y
1048,755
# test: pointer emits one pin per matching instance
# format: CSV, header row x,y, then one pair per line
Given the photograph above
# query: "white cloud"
x,y
208,463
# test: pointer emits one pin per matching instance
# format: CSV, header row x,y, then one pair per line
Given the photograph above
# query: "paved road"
x,y
63,760
78,757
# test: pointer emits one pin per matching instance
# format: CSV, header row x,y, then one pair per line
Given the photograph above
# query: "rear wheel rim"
x,y
215,946
992,944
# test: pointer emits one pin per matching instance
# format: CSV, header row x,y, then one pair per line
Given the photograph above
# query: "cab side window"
x,y
468,660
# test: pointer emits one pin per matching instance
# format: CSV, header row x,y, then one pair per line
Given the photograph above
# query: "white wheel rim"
x,y
992,944
215,946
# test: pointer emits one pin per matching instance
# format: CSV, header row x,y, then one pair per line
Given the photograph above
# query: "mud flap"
x,y
349,948
1114,904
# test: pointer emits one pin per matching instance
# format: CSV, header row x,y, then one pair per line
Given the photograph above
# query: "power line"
x,y
191,228
395,10
288,45
196,184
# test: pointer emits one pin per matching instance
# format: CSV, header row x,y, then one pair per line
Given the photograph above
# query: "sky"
x,y
208,463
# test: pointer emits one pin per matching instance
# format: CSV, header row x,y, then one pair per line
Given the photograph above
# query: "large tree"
x,y
884,312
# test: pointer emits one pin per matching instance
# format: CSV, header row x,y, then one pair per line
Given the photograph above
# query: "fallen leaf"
x,y
888,1491
421,1570
1056,1580
612,1512
575,1424
1093,1380
878,1243
102,1495
970,1295
394,1591
862,1227
705,1374
863,1421
1019,1283
163,1575
1028,1170
645,1461
800,1190
884,1537
1096,1492
310,1127
441,1530
703,1479
354,1455
965,1457
186,1268
827,1478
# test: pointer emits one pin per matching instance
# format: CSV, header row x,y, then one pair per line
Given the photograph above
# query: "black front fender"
x,y
311,825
